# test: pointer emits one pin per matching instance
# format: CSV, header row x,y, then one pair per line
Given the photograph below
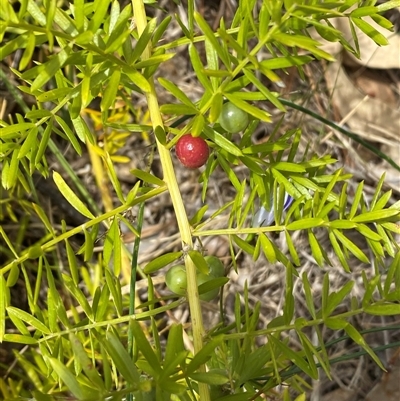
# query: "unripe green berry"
x,y
233,119
176,279
210,295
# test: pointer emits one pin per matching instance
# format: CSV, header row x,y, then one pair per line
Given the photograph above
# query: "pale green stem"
x,y
177,202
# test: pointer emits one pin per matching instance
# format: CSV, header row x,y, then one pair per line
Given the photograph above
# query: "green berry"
x,y
176,279
233,119
209,295
217,269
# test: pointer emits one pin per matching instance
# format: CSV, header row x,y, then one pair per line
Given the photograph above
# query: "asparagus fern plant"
x,y
81,334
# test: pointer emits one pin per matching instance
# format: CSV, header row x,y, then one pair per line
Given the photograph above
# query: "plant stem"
x,y
177,202
132,348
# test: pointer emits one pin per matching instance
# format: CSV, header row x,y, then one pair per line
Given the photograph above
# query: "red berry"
x,y
192,151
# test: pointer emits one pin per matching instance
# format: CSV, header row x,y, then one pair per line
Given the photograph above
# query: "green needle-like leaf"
x,y
26,317
70,196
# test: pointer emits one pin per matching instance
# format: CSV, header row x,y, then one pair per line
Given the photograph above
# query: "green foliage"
x,y
77,322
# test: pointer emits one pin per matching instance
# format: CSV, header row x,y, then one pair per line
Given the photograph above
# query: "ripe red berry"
x,y
191,151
